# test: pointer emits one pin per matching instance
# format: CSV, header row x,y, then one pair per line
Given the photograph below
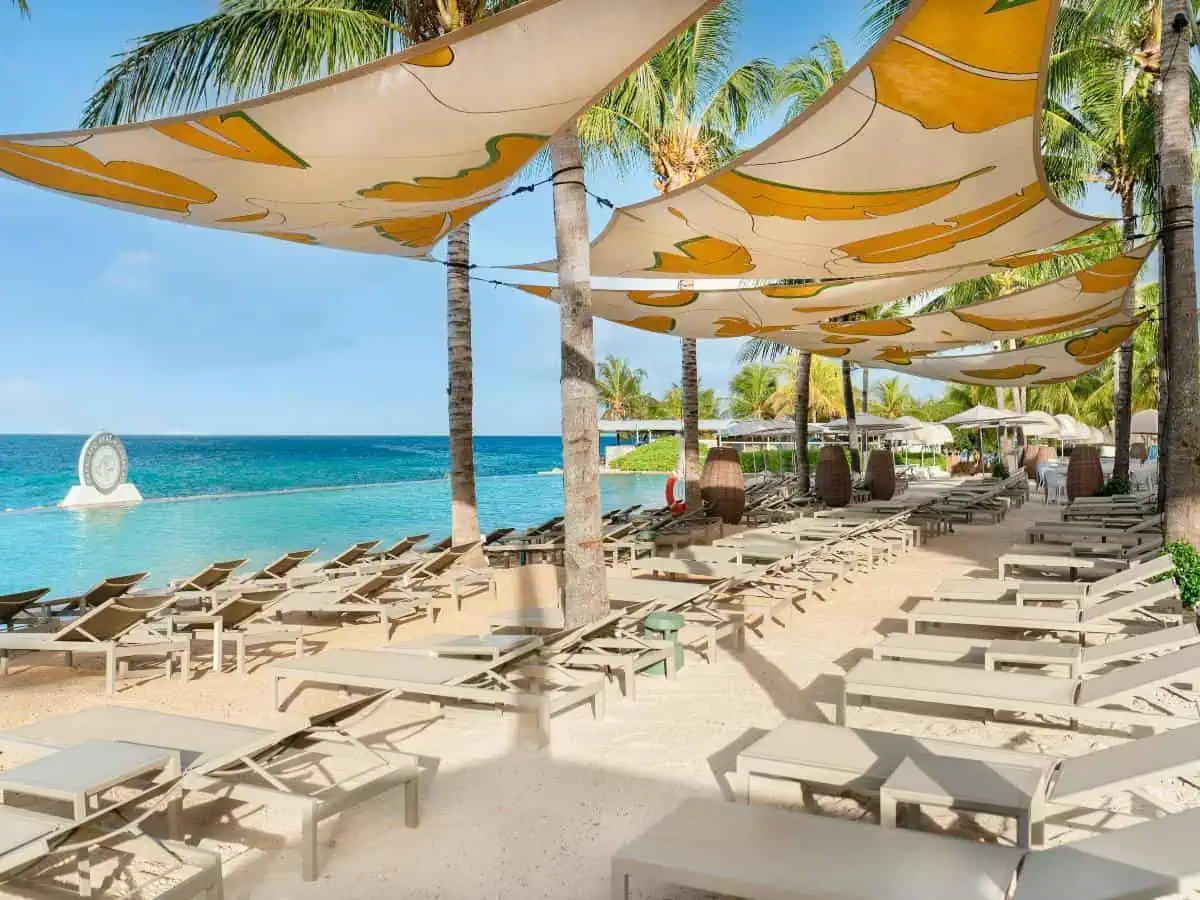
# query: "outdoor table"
x,y
82,772
951,782
1033,653
483,646
1038,561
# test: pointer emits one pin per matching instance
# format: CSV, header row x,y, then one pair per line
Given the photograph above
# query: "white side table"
x,y
951,782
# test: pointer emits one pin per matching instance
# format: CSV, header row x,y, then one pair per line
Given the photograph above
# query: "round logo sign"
x,y
103,464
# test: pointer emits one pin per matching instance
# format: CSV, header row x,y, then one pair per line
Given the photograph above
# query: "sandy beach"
x,y
503,820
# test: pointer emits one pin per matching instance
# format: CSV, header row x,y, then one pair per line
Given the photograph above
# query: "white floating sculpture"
x,y
103,469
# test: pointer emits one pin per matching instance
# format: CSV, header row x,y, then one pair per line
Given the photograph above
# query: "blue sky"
x,y
122,322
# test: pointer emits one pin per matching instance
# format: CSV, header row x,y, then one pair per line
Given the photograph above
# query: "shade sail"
x,y
924,156
1034,365
1093,297
386,158
774,311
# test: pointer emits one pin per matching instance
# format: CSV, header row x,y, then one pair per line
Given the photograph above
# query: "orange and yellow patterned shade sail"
x,y
386,158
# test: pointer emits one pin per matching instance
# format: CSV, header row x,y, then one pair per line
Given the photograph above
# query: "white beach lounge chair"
x,y
761,853
243,620
1104,698
115,630
1094,618
511,685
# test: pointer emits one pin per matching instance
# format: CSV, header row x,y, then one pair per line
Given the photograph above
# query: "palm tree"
x,y
252,47
681,114
620,387
671,405
753,389
585,595
22,6
894,399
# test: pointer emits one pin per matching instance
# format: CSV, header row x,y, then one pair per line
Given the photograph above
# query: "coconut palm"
x,y
22,6
251,47
681,115
824,387
752,390
620,387
893,399
671,406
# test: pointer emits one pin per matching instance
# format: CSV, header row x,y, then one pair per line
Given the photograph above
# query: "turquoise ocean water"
x,y
230,497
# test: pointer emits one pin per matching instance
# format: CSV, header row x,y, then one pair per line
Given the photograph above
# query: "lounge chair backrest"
x,y
286,563
1156,858
112,587
242,607
567,639
436,565
1123,603
1162,639
444,544
350,555
112,619
1160,565
403,545
371,587
497,535
1140,676
1141,759
12,605
1147,524
213,575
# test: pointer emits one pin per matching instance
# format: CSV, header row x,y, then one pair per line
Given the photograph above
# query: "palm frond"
x,y
248,47
880,16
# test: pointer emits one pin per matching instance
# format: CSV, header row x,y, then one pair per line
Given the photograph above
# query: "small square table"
x,y
952,782
82,772
1034,653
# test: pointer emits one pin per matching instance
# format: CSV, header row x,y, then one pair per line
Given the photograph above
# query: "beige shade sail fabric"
x,y
1041,364
1094,297
924,157
386,158
799,315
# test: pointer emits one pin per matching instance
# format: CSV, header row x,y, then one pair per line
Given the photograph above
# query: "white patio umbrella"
x,y
1144,422
1038,424
1069,430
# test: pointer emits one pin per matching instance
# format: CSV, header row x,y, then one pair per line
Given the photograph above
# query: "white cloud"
x,y
131,271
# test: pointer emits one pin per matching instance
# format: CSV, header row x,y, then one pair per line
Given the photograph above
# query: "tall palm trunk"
x,y
583,554
1182,438
464,515
1123,359
690,384
851,419
800,414
866,390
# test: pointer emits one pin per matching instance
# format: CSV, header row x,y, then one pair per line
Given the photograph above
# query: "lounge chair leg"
x,y
300,645
308,843
84,868
241,655
620,885
275,691
110,673
3,662
412,802
174,814
841,709
185,664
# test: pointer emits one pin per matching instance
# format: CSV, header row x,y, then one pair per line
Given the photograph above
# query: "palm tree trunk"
x,y
1182,439
1123,360
464,515
690,384
583,553
851,420
800,414
866,390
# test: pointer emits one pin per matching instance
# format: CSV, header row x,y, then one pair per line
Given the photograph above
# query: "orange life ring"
x,y
675,506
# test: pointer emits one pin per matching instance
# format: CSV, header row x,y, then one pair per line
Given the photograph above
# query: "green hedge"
x,y
662,455
658,456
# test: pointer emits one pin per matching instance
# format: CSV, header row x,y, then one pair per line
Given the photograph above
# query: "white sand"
x,y
502,821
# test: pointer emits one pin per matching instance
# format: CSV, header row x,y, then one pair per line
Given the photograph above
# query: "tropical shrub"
x,y
1118,484
999,470
1187,571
